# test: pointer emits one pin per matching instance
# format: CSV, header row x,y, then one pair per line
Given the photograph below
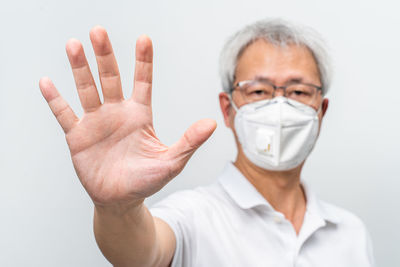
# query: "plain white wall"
x,y
45,214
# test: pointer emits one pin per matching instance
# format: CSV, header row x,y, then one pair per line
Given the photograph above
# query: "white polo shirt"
x,y
229,223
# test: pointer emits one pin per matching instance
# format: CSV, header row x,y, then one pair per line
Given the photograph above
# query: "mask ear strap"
x,y
319,109
232,103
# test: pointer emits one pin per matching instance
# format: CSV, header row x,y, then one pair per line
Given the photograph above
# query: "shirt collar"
x,y
246,195
318,207
240,189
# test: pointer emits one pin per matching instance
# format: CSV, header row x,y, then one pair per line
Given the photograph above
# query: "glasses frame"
x,y
242,83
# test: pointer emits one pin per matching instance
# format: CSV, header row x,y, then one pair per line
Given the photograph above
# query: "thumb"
x,y
192,139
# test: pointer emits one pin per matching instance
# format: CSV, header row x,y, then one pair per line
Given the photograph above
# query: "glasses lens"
x,y
256,91
303,93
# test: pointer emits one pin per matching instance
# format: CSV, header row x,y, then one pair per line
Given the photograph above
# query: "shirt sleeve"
x,y
177,211
370,252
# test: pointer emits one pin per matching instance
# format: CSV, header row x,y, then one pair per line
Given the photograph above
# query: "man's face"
x,y
280,66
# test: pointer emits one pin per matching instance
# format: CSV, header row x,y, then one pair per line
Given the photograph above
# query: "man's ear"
x,y
325,104
226,108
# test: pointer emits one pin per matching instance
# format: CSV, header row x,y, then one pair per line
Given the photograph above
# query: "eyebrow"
x,y
291,80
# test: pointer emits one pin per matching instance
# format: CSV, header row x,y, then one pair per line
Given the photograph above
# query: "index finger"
x,y
143,71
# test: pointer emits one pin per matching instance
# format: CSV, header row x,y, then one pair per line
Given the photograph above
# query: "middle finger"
x,y
107,65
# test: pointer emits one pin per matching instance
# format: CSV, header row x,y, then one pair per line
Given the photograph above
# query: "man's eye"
x,y
298,92
259,92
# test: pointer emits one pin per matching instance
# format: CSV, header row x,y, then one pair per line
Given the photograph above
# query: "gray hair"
x,y
277,32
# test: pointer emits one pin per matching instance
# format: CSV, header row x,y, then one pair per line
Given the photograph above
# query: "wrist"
x,y
119,209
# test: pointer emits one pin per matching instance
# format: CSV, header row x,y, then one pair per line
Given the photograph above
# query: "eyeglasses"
x,y
257,90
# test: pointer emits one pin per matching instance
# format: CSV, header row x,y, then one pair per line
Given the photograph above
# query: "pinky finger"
x,y
60,108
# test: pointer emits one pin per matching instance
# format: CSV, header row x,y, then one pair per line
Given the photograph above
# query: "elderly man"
x,y
259,212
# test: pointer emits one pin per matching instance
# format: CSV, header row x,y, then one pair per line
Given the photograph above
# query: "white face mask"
x,y
276,134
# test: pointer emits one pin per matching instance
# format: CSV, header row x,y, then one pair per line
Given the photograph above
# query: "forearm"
x,y
127,235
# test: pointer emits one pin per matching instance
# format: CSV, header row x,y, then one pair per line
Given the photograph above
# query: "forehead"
x,y
280,64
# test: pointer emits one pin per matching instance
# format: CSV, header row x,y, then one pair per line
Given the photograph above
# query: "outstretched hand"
x,y
114,149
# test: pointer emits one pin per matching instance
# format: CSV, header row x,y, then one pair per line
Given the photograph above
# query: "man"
x,y
258,213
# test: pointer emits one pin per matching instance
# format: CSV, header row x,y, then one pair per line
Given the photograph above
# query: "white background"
x,y
45,214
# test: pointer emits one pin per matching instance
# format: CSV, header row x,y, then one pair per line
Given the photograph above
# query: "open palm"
x,y
114,149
